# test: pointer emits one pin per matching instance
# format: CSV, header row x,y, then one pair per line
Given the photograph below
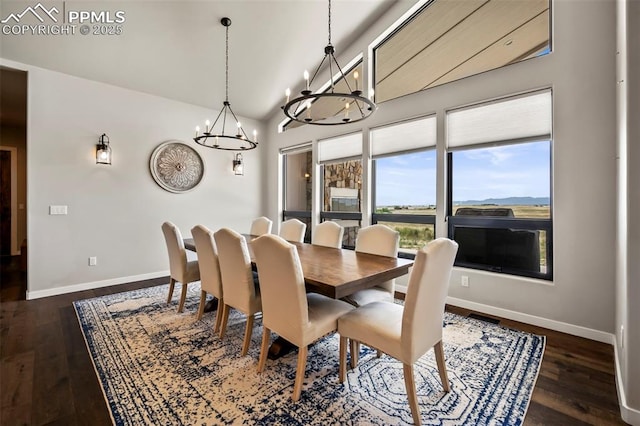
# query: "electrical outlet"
x,y
464,281
93,261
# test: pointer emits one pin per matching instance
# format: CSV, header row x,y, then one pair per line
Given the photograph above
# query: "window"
x,y
500,185
342,183
448,40
404,164
297,168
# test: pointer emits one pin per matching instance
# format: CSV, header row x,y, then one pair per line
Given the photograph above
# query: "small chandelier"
x,y
218,139
329,108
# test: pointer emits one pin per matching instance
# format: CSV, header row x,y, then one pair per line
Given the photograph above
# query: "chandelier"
x,y
330,107
214,137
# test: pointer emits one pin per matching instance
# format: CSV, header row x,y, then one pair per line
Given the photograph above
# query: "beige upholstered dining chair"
x,y
328,234
210,279
261,226
383,241
406,333
238,286
180,269
287,310
293,230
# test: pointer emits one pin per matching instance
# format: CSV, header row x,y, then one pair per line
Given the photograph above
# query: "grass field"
x,y
415,236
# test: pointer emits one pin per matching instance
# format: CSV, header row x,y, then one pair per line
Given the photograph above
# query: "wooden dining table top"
x,y
336,272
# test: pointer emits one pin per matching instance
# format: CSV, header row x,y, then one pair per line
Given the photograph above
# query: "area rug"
x,y
158,367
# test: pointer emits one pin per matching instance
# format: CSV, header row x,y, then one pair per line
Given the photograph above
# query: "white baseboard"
x,y
94,284
576,330
628,414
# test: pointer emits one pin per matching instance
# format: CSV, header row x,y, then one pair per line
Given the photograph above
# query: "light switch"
x,y
54,210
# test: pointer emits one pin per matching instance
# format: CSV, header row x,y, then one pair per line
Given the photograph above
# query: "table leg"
x,y
280,347
211,305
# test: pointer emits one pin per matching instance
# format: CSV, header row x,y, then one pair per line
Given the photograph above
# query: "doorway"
x,y
13,184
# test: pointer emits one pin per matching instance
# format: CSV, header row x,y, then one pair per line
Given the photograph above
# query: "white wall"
x,y
628,203
581,72
115,212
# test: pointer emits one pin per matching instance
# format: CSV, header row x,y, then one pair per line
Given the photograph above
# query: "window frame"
x,y
420,219
488,222
297,214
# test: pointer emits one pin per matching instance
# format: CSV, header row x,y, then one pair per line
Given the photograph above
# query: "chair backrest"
x,y
235,269
381,240
176,250
210,279
261,226
328,234
284,300
426,295
293,230
378,239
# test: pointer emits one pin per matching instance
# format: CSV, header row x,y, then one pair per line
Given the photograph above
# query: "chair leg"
x,y
410,384
442,367
203,299
172,284
343,359
378,353
264,348
183,297
355,352
302,364
225,319
247,335
216,328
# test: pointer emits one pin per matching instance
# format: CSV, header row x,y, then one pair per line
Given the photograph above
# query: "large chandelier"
x,y
329,107
214,137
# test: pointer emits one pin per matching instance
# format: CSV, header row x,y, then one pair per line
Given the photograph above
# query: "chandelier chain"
x,y
329,22
227,65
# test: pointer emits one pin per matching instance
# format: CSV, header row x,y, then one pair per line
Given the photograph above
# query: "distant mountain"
x,y
509,201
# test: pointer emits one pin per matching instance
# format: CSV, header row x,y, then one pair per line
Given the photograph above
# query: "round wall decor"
x,y
176,167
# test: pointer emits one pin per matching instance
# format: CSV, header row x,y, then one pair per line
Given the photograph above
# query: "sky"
x,y
518,170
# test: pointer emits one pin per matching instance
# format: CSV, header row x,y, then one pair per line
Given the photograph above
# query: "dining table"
x,y
333,272
337,273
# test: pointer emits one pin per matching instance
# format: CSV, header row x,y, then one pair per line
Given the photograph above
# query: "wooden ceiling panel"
x,y
438,18
511,48
473,35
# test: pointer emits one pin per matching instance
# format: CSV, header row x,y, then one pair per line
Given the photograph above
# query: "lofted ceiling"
x,y
175,49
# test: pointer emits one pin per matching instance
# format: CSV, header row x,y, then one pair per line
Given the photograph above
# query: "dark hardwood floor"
x,y
47,378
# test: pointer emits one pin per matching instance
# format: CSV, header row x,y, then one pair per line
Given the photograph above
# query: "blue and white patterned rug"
x,y
158,367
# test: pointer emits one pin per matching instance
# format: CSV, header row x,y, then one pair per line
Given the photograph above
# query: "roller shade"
x,y
524,117
406,136
347,146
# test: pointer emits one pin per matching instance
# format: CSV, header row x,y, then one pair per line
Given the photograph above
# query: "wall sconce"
x,y
238,165
103,150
